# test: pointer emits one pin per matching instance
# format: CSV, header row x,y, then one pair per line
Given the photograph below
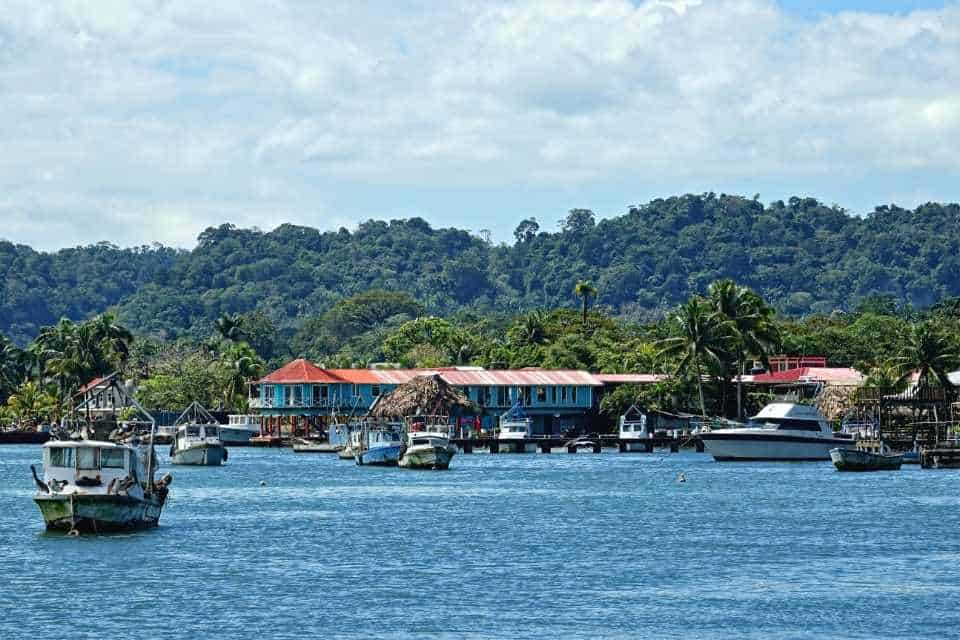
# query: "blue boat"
x,y
379,446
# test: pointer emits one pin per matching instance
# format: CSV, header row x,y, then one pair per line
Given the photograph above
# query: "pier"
x,y
546,444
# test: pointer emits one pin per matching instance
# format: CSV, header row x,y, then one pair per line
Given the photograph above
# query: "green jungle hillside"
x,y
801,256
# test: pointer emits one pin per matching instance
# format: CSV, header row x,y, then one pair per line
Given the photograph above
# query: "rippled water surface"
x,y
530,546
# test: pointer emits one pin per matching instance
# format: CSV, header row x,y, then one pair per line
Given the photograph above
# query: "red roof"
x,y
836,375
90,385
630,378
301,370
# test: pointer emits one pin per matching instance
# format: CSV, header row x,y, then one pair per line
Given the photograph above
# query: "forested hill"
x,y
800,255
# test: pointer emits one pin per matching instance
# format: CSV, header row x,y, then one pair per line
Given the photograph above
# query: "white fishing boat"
x,y
516,432
198,439
634,434
428,447
239,429
378,445
781,431
91,486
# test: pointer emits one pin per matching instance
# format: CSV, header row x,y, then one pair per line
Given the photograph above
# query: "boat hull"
x,y
98,513
427,457
201,456
751,447
346,453
236,437
379,457
516,446
855,460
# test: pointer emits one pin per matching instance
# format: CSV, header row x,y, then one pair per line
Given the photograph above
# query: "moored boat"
x,y
198,439
90,486
428,448
861,460
634,434
310,445
782,431
378,446
239,429
516,432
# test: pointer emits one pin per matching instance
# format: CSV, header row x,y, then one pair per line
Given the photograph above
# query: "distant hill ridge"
x,y
802,255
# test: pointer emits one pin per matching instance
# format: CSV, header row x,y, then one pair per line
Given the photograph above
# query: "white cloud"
x,y
150,120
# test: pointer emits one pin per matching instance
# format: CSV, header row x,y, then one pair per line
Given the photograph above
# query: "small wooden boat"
x,y
860,460
428,448
198,439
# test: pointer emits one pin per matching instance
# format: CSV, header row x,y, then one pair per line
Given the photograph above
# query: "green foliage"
x,y
801,256
30,404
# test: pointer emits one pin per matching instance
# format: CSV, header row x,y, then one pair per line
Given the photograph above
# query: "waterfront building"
x,y
302,396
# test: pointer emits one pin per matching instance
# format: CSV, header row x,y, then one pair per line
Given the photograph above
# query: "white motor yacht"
x,y
781,431
239,429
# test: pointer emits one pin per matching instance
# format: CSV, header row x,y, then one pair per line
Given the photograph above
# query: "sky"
x,y
142,121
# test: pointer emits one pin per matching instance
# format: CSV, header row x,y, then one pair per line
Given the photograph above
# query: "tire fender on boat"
x,y
225,454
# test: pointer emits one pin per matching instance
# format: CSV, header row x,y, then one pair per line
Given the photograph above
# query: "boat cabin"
x,y
90,466
193,434
519,429
789,416
634,425
244,420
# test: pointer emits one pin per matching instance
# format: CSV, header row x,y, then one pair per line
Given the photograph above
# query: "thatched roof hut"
x,y
835,401
426,395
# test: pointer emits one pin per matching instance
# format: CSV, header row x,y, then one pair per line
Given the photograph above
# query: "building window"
x,y
356,390
268,395
563,395
573,395
541,394
502,396
287,396
375,390
297,395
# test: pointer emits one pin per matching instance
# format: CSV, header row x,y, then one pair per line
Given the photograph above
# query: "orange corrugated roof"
x,y
817,374
301,370
630,378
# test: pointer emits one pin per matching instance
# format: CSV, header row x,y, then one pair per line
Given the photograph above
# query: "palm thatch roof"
x,y
426,395
834,401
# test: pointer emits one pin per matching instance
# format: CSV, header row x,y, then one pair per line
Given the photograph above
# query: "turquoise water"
x,y
532,546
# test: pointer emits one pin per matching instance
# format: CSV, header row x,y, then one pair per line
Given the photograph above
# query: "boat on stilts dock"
x,y
92,486
197,441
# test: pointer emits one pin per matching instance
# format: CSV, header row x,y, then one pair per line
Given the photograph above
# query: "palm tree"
x,y
531,329
752,329
929,352
243,365
30,403
699,340
584,290
114,338
229,327
11,367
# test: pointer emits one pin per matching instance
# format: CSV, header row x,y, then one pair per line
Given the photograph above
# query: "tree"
x,y
585,291
240,366
526,230
698,341
578,221
752,330
228,326
30,403
929,353
529,329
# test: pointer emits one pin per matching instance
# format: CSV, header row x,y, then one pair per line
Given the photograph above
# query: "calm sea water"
x,y
534,546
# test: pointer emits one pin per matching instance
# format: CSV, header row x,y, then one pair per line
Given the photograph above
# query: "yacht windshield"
x,y
193,431
88,458
789,424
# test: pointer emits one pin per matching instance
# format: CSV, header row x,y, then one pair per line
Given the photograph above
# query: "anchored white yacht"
x,y
781,431
428,448
516,430
239,429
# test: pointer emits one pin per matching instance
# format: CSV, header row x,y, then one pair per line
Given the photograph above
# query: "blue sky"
x,y
140,121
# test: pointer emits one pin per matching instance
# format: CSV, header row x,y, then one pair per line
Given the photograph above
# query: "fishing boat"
x,y
239,429
428,446
784,431
91,486
863,460
634,435
516,431
198,439
379,445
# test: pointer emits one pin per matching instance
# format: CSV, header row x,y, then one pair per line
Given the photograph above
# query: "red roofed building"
x,y
810,375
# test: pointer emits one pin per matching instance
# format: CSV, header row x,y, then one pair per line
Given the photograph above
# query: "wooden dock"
x,y
546,444
23,437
